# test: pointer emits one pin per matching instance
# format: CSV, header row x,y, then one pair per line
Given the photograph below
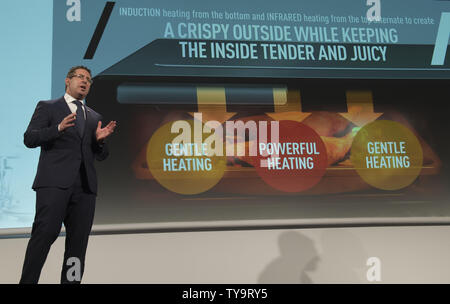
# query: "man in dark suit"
x,y
71,136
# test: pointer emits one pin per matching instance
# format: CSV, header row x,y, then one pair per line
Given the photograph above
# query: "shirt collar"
x,y
70,99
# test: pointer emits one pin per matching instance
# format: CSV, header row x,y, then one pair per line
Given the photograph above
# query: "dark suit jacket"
x,y
62,152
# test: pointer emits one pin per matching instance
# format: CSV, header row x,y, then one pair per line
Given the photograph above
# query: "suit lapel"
x,y
64,109
90,120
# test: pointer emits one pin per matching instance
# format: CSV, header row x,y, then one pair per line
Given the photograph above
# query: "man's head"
x,y
78,82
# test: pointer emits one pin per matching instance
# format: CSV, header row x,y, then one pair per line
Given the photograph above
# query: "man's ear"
x,y
67,84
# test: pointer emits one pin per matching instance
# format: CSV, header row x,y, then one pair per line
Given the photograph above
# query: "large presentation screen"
x,y
264,110
270,39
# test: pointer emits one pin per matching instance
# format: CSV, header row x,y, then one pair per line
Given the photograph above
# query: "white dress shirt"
x,y
72,105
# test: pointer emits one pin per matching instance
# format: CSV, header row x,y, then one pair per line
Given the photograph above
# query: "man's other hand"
x,y
102,133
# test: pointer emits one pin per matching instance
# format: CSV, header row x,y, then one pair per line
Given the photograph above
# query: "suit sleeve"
x,y
39,130
101,151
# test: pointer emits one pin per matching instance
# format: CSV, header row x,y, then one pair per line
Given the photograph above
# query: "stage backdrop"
x,y
260,111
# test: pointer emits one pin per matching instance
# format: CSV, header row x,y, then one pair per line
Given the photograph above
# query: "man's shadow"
x,y
343,258
298,256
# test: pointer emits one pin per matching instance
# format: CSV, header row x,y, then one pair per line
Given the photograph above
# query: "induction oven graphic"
x,y
336,110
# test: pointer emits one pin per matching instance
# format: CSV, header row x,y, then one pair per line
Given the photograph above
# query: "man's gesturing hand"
x,y
68,121
102,133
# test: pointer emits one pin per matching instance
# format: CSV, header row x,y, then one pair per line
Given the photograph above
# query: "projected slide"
x,y
280,39
257,110
367,150
218,118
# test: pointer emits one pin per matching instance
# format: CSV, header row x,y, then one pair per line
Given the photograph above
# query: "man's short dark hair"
x,y
72,70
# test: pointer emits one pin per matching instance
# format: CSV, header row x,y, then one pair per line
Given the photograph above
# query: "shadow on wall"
x,y
342,259
297,256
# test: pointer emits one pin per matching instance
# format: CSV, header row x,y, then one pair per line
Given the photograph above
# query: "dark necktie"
x,y
80,121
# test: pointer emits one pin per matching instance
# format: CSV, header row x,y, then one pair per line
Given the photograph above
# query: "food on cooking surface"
x,y
326,123
336,132
338,147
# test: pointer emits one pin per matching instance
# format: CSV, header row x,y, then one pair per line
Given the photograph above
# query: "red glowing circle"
x,y
296,162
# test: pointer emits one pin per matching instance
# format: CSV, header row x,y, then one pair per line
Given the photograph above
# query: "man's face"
x,y
78,86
